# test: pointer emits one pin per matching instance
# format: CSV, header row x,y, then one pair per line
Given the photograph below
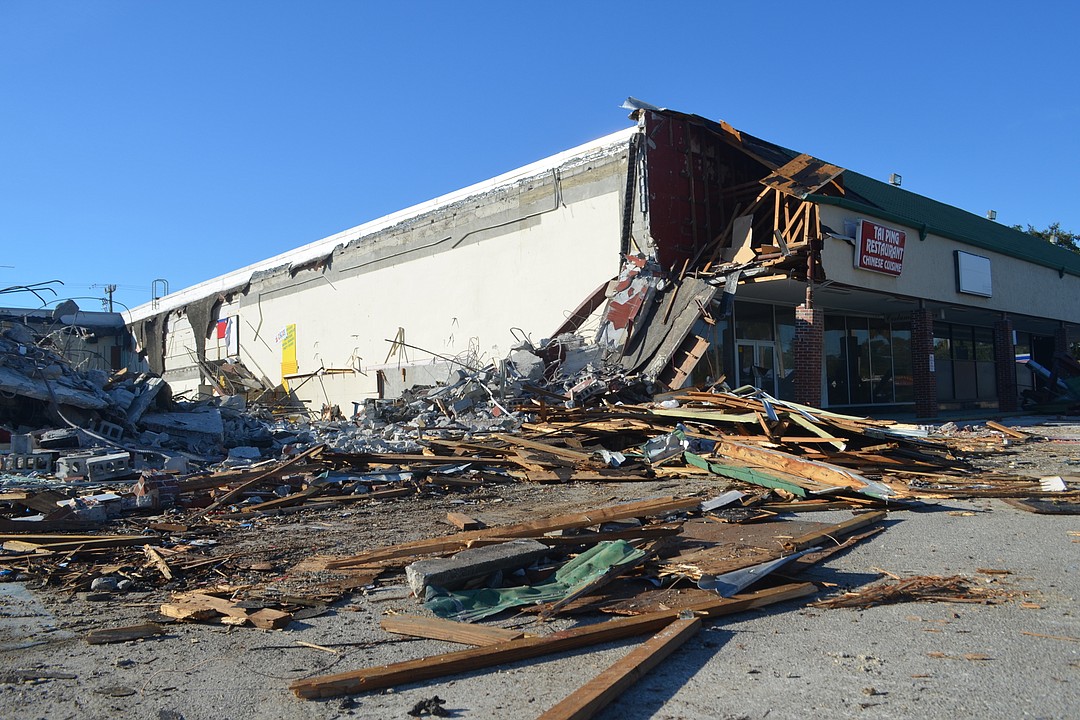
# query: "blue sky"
x,y
182,140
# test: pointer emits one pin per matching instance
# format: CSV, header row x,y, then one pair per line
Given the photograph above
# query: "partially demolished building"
x,y
732,257
46,357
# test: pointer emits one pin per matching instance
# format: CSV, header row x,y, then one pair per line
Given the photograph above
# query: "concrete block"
x,y
454,572
460,406
39,461
204,426
94,467
109,430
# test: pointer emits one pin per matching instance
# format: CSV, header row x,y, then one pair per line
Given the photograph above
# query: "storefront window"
x,y
860,374
753,321
868,361
903,376
985,374
964,363
984,344
881,361
785,352
1025,382
943,361
836,361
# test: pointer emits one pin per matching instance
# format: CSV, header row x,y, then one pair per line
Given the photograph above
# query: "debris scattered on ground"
x,y
112,486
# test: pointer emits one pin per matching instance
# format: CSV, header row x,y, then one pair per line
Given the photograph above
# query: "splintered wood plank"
x,y
717,560
574,455
159,562
39,539
533,528
267,618
793,484
656,600
186,611
1007,430
448,630
270,619
684,360
296,498
816,470
99,542
798,419
43,502
462,521
645,532
123,634
261,478
18,528
373,678
596,694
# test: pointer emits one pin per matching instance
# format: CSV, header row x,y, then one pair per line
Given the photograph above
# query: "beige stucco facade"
x,y
929,273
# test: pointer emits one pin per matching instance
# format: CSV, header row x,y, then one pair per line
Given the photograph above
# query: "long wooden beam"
x,y
575,455
594,695
448,630
410,671
461,540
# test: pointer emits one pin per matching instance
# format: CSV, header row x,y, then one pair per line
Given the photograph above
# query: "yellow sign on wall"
x,y
288,352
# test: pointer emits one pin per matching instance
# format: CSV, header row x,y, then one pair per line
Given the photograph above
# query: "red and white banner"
x,y
879,248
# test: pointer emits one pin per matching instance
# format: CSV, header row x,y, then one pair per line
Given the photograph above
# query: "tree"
x,y
1054,234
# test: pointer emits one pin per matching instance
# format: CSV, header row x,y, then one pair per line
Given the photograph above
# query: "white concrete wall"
x,y
930,272
447,303
457,279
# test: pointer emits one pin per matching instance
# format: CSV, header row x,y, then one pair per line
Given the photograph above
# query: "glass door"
x,y
756,360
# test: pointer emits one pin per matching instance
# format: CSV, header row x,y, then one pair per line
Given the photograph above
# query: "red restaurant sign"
x,y
879,248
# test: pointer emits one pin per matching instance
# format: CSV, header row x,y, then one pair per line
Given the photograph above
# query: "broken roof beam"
x,y
802,176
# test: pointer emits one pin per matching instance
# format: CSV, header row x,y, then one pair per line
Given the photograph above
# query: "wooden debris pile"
x,y
779,456
920,588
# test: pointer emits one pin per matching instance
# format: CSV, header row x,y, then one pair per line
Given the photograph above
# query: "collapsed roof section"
x,y
720,207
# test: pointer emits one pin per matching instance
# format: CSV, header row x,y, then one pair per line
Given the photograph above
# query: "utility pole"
x,y
109,290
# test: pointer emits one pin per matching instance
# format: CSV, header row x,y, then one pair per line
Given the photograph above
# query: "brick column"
x,y
1005,366
922,349
809,349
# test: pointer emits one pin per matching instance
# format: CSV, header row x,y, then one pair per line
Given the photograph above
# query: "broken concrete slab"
x,y
200,427
12,381
454,572
146,396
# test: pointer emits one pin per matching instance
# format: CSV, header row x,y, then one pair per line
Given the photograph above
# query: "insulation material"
x,y
626,307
